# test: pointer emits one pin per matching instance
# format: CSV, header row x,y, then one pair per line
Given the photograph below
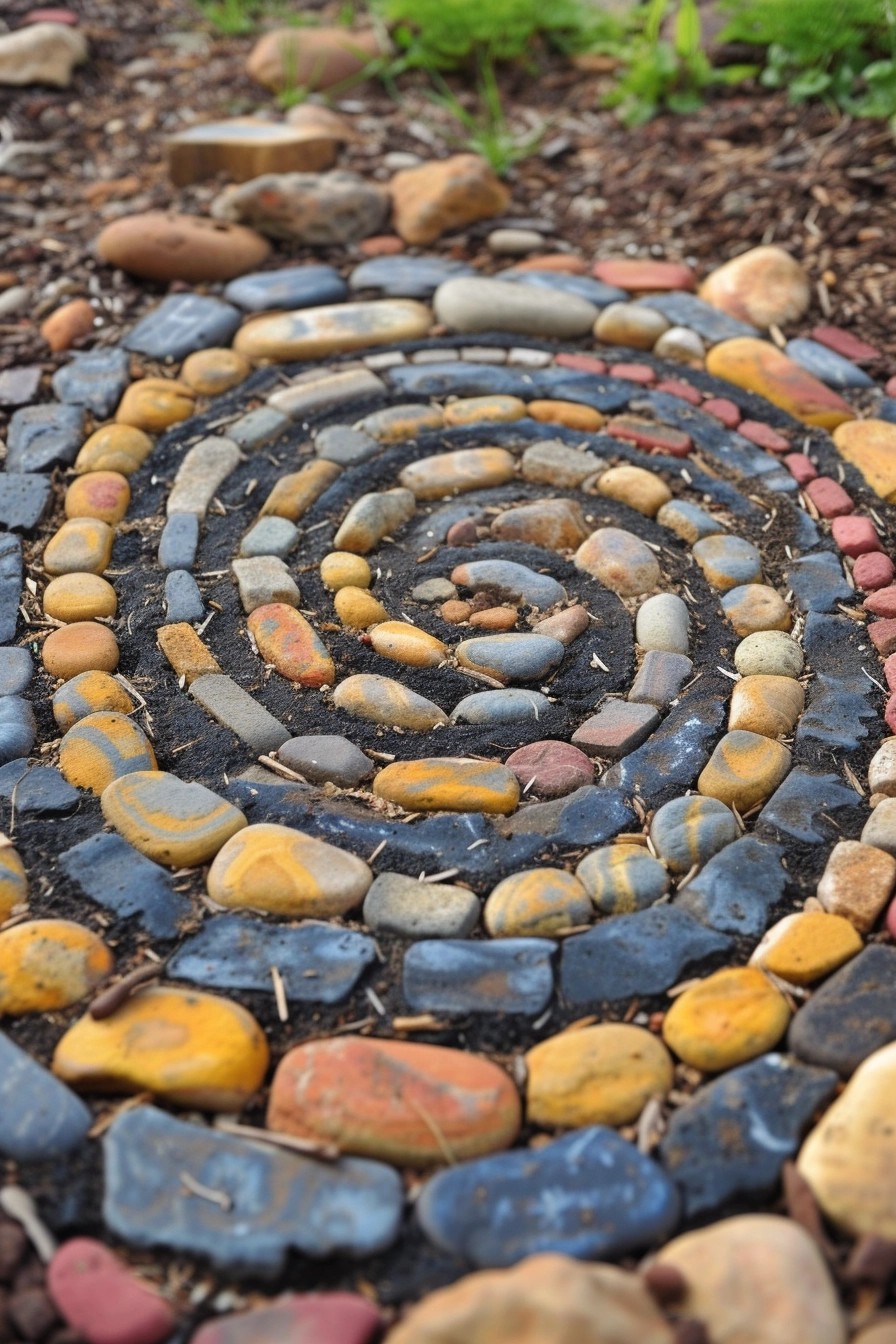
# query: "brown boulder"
x,y
437,197
159,246
312,58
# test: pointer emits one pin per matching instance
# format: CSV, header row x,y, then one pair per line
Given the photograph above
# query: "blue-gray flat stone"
x,y
674,755
737,888
599,391
832,648
256,428
181,324
178,542
817,582
10,586
518,583
277,1200
799,806
590,1195
18,387
323,758
512,657
292,287
510,975
113,873
18,728
23,498
95,379
595,291
405,277
45,436
318,963
835,716
16,670
40,1119
345,445
886,410
826,364
183,600
733,1136
270,536
633,956
511,706
38,788
590,816
686,310
457,378
851,1015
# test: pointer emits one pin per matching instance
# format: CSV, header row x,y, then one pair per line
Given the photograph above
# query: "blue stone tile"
x,y
599,391
589,816
798,807
835,715
582,286
178,542
96,380
291,287
16,670
183,600
457,378
817,582
590,1195
318,962
826,364
117,877
45,436
851,1015
686,310
886,410
453,975
670,761
277,1201
737,888
406,277
40,1119
23,498
181,324
18,728
10,586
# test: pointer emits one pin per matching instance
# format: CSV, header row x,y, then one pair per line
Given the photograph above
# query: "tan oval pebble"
x,y
755,606
119,448
285,872
601,1075
732,1016
79,597
769,652
457,472
639,489
82,545
384,700
404,643
358,609
88,693
82,646
159,246
154,404
213,371
764,704
536,903
98,494
341,569
620,561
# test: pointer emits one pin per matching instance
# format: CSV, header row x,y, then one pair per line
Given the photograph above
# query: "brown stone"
x,y
643,275
857,883
154,404
159,246
763,286
557,524
245,147
449,194
73,320
313,58
186,652
82,646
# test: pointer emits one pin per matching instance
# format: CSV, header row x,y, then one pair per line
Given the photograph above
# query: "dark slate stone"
x,y
318,963
582,286
113,873
406,277
712,438
178,542
589,816
599,391
18,387
851,1015
40,1119
797,808
10,586
637,955
278,1200
41,437
817,582
96,380
16,670
886,410
183,600
23,498
834,717
590,1195
18,728
323,758
293,287
38,788
457,378
454,975
686,310
670,761
734,892
831,645
734,1134
826,364
181,324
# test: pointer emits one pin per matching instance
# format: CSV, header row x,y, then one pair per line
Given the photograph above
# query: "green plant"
x,y
487,129
235,18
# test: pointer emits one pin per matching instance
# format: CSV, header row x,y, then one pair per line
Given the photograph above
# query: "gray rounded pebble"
x,y
770,653
270,536
690,830
510,706
402,905
183,600
498,305
326,758
663,623
621,879
16,671
434,590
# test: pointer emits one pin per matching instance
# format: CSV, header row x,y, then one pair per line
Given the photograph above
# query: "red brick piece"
x,y
633,373
722,409
584,363
297,1318
890,716
883,636
764,436
800,468
829,498
676,388
873,571
844,343
890,673
646,434
855,535
641,275
882,603
616,729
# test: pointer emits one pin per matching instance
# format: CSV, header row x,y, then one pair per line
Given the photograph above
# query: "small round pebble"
x,y
88,693
753,607
744,769
726,1019
536,903
663,623
357,608
413,909
688,831
324,758
551,769
98,494
79,597
769,653
213,371
341,569
639,489
622,878
49,963
601,1075
82,646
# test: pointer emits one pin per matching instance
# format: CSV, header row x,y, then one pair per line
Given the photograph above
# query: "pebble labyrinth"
x,y
521,692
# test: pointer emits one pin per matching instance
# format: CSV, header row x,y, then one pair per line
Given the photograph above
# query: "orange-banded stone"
x,y
752,607
89,693
313,333
402,1102
169,820
568,413
294,494
383,700
49,963
762,286
98,494
357,608
82,646
79,597
341,569
456,473
82,545
446,784
766,704
213,371
285,872
394,424
602,1075
154,404
758,366
536,903
186,652
291,645
103,747
639,489
620,561
807,946
408,644
744,769
476,410
119,448
870,445
184,1047
13,879
556,524
726,1019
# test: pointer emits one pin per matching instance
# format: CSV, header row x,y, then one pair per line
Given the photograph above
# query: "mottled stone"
x,y
313,1318
113,874
551,769
616,729
81,545
688,831
211,371
16,670
382,700
763,286
744,769
282,871
857,882
313,392
121,448
630,324
181,324
639,489
558,464
458,472
186,653
202,471
599,1075
556,524
620,561
637,955
95,379
98,494
507,975
622,878
728,562
287,641
757,366
49,963
373,517
404,277
101,747
482,410
257,428
18,728
40,1119
663,624
537,902
443,195
270,536
180,824
756,607
569,413
314,333
817,582
868,445
326,758
803,804
154,405
394,424
484,304
852,1014
511,581
413,909
736,889
289,287
265,580
769,653
511,657
451,784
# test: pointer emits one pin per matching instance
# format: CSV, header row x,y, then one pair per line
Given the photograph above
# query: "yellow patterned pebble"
x,y
536,903
154,404
13,879
186,652
639,489
766,704
294,494
568,413
210,372
726,1019
287,641
79,597
752,607
870,445
98,494
357,608
82,545
341,569
456,473
312,333
475,410
169,820
757,366
373,517
88,693
602,1075
804,947
120,448
445,784
727,562
382,700
184,1047
285,872
621,879
405,643
744,769
49,963
102,747
393,424
82,646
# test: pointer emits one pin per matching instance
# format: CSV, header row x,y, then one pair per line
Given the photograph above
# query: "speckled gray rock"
x,y
513,705
270,536
318,209
345,445
769,652
479,304
45,436
551,462
257,428
512,975
326,758
263,579
690,830
40,1119
851,1015
181,324
412,909
183,600
663,623
235,709
16,670
434,590
95,379
736,889
10,586
23,499
178,542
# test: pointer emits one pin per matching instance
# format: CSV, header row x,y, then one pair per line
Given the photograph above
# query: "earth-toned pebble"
x,y
290,643
49,963
663,624
556,524
621,879
324,758
731,1016
478,410
551,769
373,517
79,597
868,445
312,1318
82,545
616,729
100,1298
660,678
758,366
294,493
169,820
513,705
620,561
382,700
358,609
398,1101
160,246
769,653
317,58
645,433
558,464
484,304
186,653
511,657
311,393
536,903
631,325
444,195
829,498
68,324
314,333
458,472
191,1049
213,371
688,831
119,448
873,571
202,470
511,581
565,625
13,881
765,704
394,424
267,536
764,285
602,1075
499,619
805,947
882,1330
744,769
404,643
341,569
682,345
857,883
16,670
155,404
448,785
346,447
728,562
82,646
880,828
101,747
281,870
98,494
639,274
568,413
263,581
433,590
639,489
413,909
755,607
882,768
